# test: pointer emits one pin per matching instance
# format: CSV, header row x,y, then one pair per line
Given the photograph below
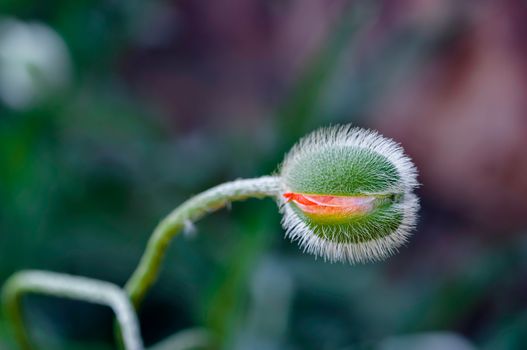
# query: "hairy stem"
x,y
192,210
66,286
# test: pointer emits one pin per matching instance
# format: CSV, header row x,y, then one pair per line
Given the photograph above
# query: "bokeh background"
x,y
114,112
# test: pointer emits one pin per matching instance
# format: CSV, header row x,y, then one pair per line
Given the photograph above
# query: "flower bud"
x,y
348,194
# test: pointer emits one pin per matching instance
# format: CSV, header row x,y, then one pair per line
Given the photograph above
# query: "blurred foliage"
x,y
86,174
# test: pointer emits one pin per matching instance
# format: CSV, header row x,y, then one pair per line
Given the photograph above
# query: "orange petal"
x,y
325,205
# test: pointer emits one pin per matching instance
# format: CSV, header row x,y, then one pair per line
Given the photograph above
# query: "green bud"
x,y
348,194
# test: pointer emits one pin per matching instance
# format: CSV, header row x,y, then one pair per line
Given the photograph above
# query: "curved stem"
x,y
192,210
66,286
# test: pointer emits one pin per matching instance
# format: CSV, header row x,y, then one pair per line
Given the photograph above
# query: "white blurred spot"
x,y
189,230
34,63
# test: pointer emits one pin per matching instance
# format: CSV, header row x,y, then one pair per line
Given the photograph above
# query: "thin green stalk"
x,y
66,286
190,211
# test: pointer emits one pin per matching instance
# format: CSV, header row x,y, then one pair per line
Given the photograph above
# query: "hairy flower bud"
x,y
348,194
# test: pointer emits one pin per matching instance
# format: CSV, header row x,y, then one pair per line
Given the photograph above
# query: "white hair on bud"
x,y
346,135
373,250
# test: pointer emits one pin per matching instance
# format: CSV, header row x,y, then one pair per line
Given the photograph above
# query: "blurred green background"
x,y
114,112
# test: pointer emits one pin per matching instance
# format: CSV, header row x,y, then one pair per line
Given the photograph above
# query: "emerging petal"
x,y
331,208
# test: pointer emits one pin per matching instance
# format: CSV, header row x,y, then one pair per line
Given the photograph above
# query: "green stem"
x,y
66,286
192,210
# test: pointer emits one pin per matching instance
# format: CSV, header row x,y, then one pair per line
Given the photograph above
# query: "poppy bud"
x,y
348,194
